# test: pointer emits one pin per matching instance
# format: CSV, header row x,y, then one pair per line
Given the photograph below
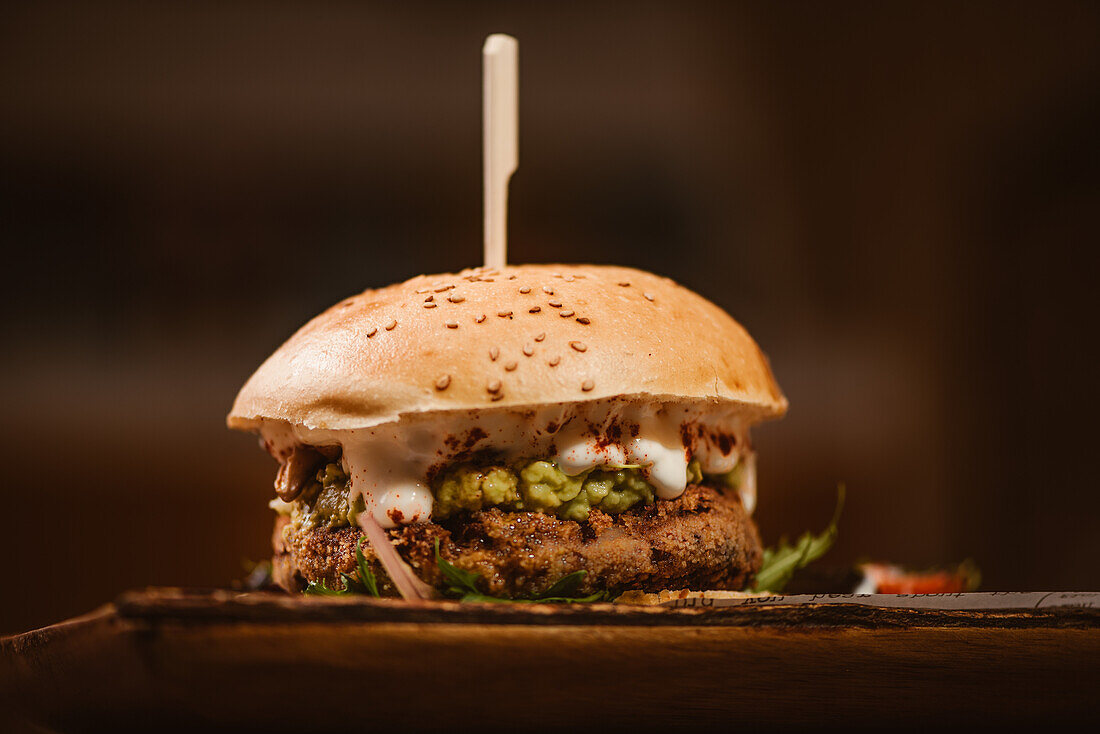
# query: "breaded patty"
x,y
704,539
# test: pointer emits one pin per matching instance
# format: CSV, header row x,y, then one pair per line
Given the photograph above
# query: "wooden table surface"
x,y
178,660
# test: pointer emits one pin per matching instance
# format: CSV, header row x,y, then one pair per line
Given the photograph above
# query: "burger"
x,y
527,432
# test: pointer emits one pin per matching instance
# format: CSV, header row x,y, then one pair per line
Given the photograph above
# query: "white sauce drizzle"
x,y
388,464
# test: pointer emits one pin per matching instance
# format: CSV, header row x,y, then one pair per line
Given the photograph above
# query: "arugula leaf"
x,y
781,562
463,585
542,599
320,588
459,581
366,576
566,585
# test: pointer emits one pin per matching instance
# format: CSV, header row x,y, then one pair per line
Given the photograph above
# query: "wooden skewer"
x,y
500,120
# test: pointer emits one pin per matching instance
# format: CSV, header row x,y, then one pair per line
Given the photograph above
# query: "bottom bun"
x,y
702,540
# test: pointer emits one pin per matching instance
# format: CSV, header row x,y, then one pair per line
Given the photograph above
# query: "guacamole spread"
x,y
531,486
324,501
539,486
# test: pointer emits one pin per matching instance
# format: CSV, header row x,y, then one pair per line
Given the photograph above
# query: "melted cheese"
x,y
389,464
665,467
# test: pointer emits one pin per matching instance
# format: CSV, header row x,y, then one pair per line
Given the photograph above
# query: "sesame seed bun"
x,y
521,336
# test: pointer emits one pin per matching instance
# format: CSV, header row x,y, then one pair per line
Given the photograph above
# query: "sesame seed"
x,y
504,314
497,396
480,318
587,385
555,303
579,346
430,305
556,275
456,298
493,386
548,290
584,320
511,366
391,325
554,361
525,289
568,279
429,299
372,332
444,288
566,314
451,324
541,336
443,382
624,283
648,296
535,309
528,349
494,352
421,291
511,277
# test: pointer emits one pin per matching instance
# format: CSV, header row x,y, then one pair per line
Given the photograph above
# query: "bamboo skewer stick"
x,y
500,132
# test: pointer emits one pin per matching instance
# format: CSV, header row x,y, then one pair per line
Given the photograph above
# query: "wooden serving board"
x,y
181,660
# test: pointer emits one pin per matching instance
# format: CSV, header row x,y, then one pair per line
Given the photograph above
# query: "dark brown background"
x,y
899,202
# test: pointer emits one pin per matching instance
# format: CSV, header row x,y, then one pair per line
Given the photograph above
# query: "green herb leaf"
x,y
463,585
566,586
781,562
540,599
366,576
458,580
320,588
598,596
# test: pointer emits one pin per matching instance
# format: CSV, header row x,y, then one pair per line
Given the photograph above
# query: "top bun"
x,y
523,335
